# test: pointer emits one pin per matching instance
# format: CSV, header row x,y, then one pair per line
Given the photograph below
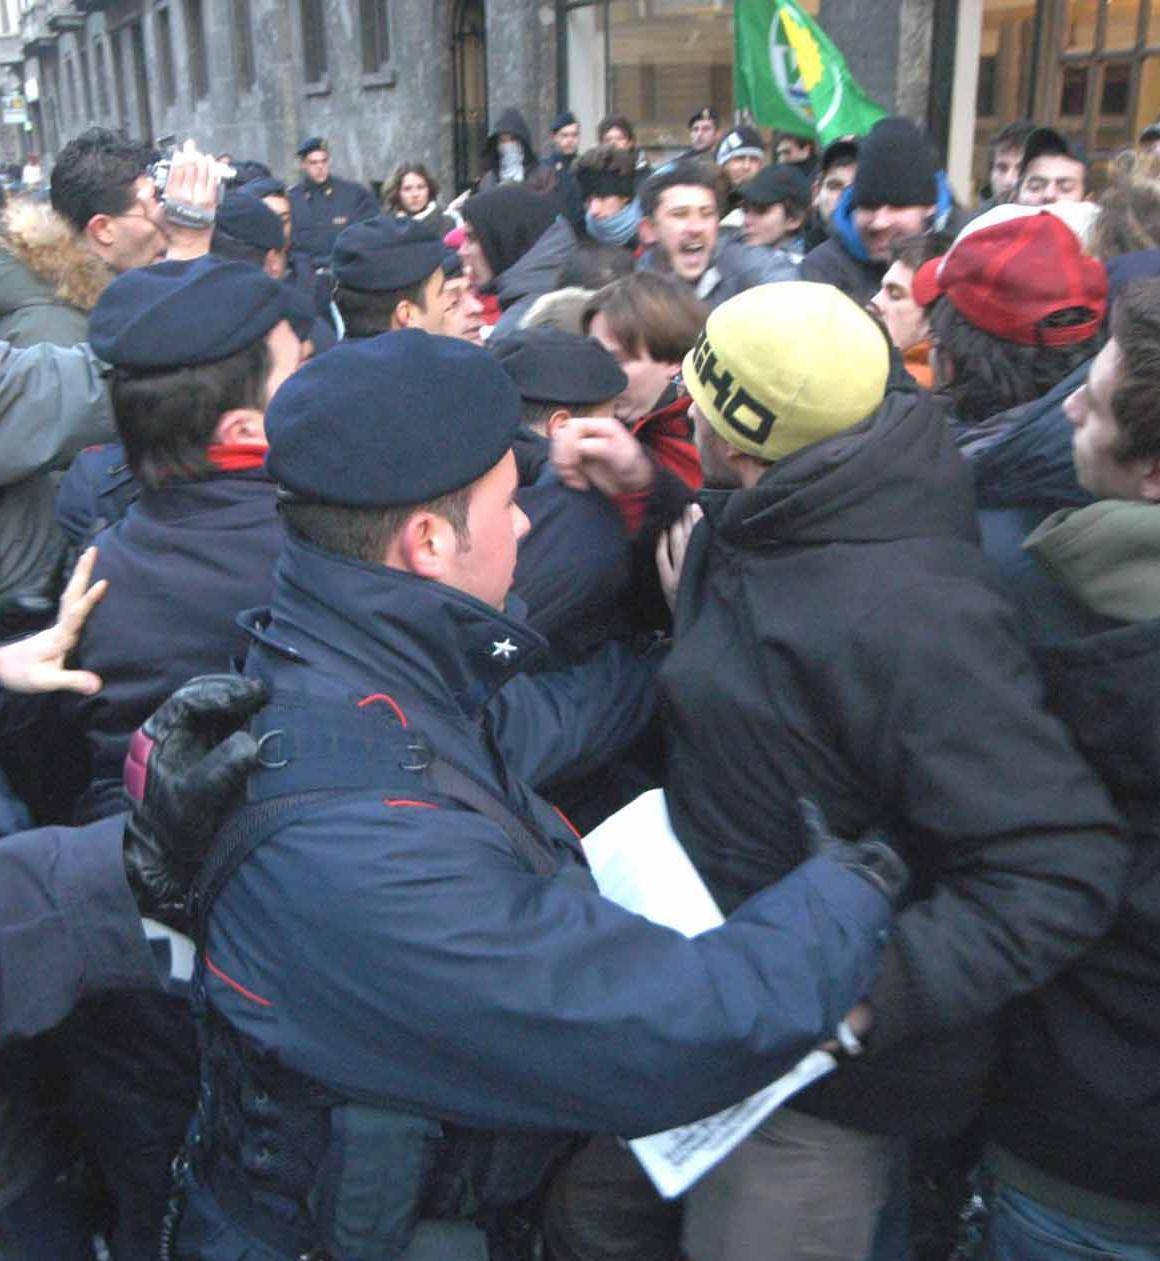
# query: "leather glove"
x,y
870,856
185,769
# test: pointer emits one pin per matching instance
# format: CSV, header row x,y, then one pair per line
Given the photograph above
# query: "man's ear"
x,y
240,425
1150,481
646,232
559,417
424,546
99,232
402,316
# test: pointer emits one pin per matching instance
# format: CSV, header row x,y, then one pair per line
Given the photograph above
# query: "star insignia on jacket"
x,y
503,648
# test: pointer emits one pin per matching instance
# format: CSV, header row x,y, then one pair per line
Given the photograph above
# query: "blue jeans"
x,y
1022,1229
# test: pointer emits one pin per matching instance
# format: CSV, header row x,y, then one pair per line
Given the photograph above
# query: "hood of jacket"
x,y
842,220
896,475
1022,457
50,256
515,124
1106,555
537,271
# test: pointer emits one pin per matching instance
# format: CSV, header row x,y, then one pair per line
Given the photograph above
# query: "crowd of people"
x,y
359,555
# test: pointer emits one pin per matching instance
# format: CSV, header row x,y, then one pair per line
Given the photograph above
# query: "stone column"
x,y
521,62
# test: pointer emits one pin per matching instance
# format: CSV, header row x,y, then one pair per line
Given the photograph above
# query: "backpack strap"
x,y
314,751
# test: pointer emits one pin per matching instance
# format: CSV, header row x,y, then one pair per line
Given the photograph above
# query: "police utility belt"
x,y
262,1129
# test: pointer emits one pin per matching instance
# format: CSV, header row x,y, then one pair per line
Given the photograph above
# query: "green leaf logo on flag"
x,y
789,75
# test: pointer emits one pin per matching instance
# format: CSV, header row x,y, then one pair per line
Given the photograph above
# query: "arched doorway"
x,y
469,86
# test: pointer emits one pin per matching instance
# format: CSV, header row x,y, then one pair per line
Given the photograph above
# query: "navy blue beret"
x,y
565,118
267,186
310,144
178,314
246,171
248,219
549,365
386,253
386,421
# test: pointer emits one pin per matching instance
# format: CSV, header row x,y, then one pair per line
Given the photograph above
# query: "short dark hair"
x,y
95,174
1013,136
606,124
166,417
651,311
364,534
811,141
593,265
990,375
222,245
1135,326
535,411
367,312
684,173
913,251
400,173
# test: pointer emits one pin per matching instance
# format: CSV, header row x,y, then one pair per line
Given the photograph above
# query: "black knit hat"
x,y
565,118
896,167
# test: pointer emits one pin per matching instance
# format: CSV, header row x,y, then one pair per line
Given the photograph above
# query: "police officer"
x,y
321,205
411,990
574,567
389,274
68,925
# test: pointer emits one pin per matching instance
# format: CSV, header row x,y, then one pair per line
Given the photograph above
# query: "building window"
x,y
73,104
195,45
102,79
243,43
313,41
117,54
86,85
374,21
1107,74
657,61
164,35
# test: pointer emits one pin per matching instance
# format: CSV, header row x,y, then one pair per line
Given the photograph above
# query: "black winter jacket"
x,y
1081,1078
839,636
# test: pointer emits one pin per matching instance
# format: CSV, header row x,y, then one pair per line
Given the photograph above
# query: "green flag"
x,y
789,75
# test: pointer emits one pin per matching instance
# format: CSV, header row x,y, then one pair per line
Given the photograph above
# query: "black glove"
x,y
184,771
870,856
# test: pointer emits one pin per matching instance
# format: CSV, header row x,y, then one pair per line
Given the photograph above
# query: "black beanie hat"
x,y
895,167
509,220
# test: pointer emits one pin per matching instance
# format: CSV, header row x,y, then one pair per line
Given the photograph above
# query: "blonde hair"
x,y
1129,211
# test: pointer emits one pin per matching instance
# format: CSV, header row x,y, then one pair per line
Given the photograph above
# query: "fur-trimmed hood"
x,y
44,244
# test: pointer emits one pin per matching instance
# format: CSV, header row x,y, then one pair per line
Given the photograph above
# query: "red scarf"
x,y
237,457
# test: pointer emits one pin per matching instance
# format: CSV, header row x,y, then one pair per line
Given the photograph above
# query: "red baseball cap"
x,y
1013,268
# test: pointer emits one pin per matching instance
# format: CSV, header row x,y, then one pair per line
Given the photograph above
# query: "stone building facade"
x,y
383,80
388,80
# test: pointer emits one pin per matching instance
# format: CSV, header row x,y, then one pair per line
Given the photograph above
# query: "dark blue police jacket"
x,y
400,950
575,565
95,492
319,212
181,564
